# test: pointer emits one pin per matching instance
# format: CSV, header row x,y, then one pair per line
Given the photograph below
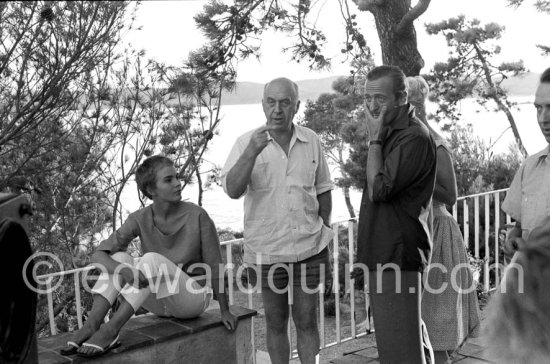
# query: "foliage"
x,y
55,62
542,6
356,135
235,29
470,157
193,108
477,168
327,116
343,265
237,250
469,71
49,50
55,58
79,112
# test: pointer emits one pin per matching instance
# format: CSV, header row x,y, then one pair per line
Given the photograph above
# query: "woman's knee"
x,y
152,258
153,264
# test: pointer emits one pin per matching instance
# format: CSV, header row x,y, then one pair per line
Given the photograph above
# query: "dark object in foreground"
x,y
18,302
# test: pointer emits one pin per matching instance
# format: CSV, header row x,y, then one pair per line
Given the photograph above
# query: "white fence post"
x,y
322,315
476,222
77,300
229,256
497,243
466,225
336,281
53,329
455,212
487,250
351,284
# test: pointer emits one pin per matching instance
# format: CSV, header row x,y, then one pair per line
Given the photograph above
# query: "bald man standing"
x,y
281,171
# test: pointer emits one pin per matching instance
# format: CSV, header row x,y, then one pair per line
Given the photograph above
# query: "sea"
x,y
490,125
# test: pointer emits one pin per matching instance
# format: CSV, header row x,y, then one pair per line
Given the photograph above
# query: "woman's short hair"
x,y
417,90
146,173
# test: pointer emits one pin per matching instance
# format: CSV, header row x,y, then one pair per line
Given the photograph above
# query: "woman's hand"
x,y
229,320
133,277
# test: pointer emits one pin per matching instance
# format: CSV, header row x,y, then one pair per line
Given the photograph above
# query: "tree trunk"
x,y
513,125
118,202
397,40
199,183
498,101
348,203
345,189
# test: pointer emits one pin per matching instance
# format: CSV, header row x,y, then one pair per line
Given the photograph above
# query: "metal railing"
x,y
486,233
461,212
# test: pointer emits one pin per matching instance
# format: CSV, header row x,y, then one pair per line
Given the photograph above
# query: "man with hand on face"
x,y
394,238
528,199
281,170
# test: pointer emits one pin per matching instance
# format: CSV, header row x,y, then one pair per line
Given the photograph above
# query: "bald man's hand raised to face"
x,y
259,140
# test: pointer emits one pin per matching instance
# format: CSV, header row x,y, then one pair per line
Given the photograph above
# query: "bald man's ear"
x,y
297,105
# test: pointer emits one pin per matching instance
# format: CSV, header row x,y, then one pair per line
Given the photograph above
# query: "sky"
x,y
168,34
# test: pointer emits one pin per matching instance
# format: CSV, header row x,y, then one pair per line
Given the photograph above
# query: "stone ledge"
x,y
144,333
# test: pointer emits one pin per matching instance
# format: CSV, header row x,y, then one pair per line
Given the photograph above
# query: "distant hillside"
x,y
251,92
522,85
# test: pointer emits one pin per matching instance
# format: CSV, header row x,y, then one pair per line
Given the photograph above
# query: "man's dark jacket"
x,y
394,227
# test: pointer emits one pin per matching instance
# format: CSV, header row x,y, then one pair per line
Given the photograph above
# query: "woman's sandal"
x,y
71,348
99,350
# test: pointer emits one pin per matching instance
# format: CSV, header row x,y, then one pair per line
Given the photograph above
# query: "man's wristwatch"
x,y
373,142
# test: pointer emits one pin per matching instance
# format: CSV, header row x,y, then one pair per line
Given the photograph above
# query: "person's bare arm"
x,y
445,181
210,249
238,177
